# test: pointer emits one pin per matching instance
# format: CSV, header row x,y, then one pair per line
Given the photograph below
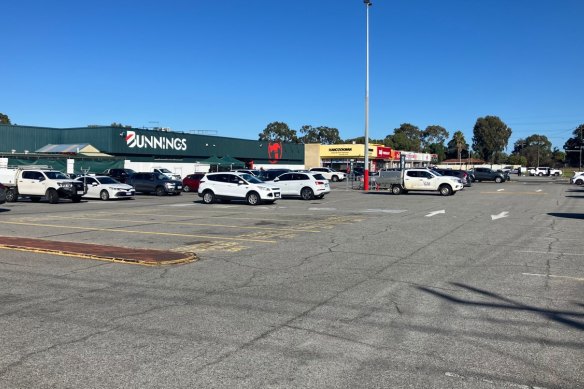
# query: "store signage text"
x,y
154,142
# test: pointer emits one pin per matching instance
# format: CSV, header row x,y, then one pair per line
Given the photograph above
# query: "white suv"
x,y
329,174
236,186
305,185
577,178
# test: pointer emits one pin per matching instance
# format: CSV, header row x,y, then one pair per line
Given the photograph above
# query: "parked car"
x,y
577,178
120,175
305,185
487,174
105,188
464,176
191,182
155,182
237,186
270,174
2,194
330,174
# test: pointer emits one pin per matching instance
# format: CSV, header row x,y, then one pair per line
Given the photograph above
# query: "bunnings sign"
x,y
157,142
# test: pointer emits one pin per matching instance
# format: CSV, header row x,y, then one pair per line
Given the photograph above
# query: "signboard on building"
x,y
346,151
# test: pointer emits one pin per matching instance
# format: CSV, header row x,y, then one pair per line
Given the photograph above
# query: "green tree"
x,y
558,157
323,135
517,159
456,146
406,137
538,150
490,136
573,145
119,125
278,131
4,119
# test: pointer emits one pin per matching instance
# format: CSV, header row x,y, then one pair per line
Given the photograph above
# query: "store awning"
x,y
73,149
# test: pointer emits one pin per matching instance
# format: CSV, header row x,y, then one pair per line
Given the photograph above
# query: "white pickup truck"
x,y
35,182
402,181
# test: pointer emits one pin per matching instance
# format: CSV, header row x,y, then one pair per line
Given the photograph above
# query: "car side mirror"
x,y
94,184
276,179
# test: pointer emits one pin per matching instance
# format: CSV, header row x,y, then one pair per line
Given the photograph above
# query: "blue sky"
x,y
233,66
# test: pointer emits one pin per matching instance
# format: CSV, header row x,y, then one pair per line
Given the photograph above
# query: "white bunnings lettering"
x,y
154,142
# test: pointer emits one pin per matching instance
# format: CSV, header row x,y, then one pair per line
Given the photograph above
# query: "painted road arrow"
x,y
499,216
435,213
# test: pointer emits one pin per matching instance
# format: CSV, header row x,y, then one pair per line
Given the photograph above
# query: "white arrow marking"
x,y
500,190
539,190
499,216
435,213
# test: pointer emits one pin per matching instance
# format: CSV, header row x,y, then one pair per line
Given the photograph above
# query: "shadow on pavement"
x,y
568,215
500,302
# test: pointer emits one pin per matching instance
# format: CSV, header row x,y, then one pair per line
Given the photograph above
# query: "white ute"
x,y
402,181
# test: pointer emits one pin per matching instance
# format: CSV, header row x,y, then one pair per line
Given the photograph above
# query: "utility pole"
x,y
366,159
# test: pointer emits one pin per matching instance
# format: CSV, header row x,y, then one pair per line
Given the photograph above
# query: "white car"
x,y
105,188
305,185
237,186
329,174
577,178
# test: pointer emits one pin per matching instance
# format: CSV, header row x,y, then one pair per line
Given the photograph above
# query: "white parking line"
x,y
322,209
385,210
553,276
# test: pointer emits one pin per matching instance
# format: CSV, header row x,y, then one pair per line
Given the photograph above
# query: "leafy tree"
x,y
558,157
278,131
434,135
4,119
574,143
406,137
456,146
119,125
323,135
517,159
537,149
490,136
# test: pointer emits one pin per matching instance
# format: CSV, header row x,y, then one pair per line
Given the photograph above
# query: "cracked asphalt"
x,y
358,290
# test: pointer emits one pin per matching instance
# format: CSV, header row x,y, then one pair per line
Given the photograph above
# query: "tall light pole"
x,y
366,167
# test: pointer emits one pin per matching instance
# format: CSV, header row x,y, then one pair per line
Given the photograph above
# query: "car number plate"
x,y
179,187
80,192
276,194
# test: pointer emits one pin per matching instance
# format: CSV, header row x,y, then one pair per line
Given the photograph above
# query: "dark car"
x,y
271,174
464,176
2,194
192,181
487,174
155,182
120,175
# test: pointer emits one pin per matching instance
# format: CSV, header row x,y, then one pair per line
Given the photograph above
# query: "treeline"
x,y
489,142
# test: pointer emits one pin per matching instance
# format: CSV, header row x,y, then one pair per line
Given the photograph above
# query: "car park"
x,y
304,185
330,174
105,188
120,175
146,182
229,186
191,182
488,174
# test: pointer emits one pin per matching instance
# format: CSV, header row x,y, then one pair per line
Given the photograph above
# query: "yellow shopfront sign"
x,y
345,151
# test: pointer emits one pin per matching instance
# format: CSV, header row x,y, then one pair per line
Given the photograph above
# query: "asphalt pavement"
x,y
484,289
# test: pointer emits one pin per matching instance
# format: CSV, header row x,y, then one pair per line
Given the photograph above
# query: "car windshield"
x,y
436,173
164,171
318,176
107,180
251,179
162,177
129,171
56,176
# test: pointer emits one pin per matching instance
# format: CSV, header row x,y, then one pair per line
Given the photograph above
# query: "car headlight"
x,y
264,188
169,185
65,184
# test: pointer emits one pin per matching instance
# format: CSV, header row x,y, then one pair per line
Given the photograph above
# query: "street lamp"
x,y
366,167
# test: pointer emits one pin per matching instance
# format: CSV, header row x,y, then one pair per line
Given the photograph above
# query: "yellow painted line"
x,y
117,230
512,193
190,258
553,276
190,224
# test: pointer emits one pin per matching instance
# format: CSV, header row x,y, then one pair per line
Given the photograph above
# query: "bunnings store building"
x,y
99,148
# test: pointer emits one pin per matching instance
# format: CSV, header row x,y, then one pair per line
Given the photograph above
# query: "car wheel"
x,y
577,182
52,196
208,197
334,178
445,190
35,199
160,191
396,189
11,195
306,194
253,198
498,180
540,174
187,188
104,195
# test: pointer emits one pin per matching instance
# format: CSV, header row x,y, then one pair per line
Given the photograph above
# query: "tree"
x,y
573,145
406,137
119,125
4,119
361,140
323,135
456,146
537,149
278,131
490,136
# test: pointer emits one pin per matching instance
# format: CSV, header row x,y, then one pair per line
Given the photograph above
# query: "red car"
x,y
191,182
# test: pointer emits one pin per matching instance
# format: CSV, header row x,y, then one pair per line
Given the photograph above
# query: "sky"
x,y
231,67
